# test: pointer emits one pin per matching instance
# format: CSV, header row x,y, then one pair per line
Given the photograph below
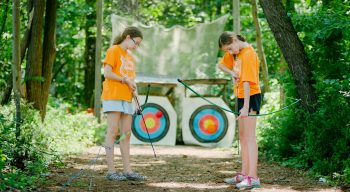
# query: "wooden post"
x,y
263,63
237,30
236,17
97,103
16,59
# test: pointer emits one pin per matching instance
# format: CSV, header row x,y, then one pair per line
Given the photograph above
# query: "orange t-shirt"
x,y
247,66
122,64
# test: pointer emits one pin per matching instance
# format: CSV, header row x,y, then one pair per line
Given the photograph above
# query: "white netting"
x,y
177,51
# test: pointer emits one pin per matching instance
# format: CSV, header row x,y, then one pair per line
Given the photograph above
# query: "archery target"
x,y
159,119
205,124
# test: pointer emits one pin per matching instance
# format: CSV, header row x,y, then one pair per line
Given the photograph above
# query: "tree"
x,y
97,103
3,18
259,45
5,94
292,49
89,56
40,53
236,17
16,65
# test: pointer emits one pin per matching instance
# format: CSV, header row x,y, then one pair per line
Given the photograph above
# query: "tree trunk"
x,y
90,43
236,17
49,51
3,18
16,65
292,49
265,73
25,40
97,103
41,53
34,57
218,8
6,92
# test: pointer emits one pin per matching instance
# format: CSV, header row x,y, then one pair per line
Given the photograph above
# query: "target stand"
x,y
205,124
160,118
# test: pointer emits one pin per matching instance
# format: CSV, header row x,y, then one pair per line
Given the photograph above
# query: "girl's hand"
x,y
138,107
235,77
243,113
131,84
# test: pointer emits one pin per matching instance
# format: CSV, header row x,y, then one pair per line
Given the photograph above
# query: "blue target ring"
x,y
208,124
157,123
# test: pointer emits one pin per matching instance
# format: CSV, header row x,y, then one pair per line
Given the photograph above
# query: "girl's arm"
x,y
109,74
245,110
234,75
227,70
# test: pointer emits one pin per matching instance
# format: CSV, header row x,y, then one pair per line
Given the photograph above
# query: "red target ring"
x,y
209,124
152,123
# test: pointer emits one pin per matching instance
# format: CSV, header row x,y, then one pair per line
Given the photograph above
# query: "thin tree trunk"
x,y
282,69
97,103
16,65
25,40
236,17
34,76
292,49
90,43
263,64
49,51
3,19
58,71
6,92
218,8
265,73
237,30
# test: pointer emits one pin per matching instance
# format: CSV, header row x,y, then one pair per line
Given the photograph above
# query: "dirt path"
x,y
180,168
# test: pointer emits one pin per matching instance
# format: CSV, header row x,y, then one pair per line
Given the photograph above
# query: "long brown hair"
x,y
227,38
131,31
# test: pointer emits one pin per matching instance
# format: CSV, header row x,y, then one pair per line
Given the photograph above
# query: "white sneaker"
x,y
248,183
234,180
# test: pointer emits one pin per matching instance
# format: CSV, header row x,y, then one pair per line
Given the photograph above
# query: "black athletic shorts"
x,y
254,103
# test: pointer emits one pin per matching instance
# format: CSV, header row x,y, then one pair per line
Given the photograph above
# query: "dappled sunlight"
x,y
226,172
149,163
179,185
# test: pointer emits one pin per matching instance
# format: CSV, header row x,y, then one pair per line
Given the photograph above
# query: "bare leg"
x,y
112,131
125,124
252,147
244,147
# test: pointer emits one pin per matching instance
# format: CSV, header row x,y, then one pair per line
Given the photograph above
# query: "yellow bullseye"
x,y
209,125
150,123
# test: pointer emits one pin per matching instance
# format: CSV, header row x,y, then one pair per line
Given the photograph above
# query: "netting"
x,y
177,51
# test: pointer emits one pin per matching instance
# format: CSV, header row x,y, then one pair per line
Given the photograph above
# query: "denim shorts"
x,y
117,106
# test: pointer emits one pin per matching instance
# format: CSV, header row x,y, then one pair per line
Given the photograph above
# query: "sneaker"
x,y
115,177
248,183
134,176
234,180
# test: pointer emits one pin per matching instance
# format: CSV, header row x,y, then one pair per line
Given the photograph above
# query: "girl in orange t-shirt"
x,y
242,63
118,89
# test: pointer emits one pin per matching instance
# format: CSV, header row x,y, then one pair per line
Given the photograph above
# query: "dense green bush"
x,y
22,159
25,159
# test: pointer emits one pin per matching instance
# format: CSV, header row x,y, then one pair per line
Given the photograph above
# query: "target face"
x,y
157,123
208,124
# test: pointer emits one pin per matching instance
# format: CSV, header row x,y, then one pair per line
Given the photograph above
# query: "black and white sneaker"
x,y
115,177
134,176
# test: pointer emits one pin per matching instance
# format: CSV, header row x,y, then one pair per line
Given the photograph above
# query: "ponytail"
x,y
131,31
227,38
